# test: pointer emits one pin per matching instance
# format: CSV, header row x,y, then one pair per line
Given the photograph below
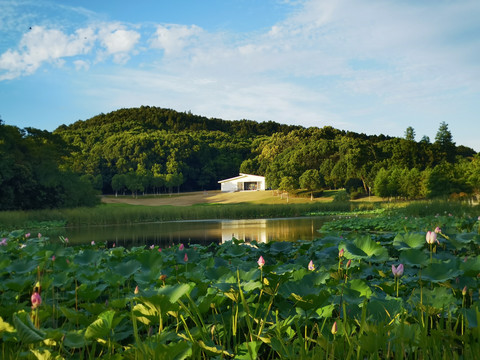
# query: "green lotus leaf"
x,y
441,272
409,241
439,298
472,315
363,247
87,292
248,350
100,328
175,292
22,266
466,238
74,340
384,310
361,286
26,331
281,247
127,269
414,257
471,267
5,326
88,257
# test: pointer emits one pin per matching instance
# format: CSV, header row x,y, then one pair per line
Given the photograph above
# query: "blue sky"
x,y
369,66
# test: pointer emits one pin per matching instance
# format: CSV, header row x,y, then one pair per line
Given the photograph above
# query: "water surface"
x,y
196,232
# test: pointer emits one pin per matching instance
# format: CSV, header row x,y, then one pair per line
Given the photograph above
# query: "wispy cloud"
x,y
348,63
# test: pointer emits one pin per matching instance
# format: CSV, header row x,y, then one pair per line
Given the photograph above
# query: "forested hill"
x,y
148,118
151,149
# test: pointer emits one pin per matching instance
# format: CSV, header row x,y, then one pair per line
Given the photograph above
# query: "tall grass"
x,y
440,207
107,214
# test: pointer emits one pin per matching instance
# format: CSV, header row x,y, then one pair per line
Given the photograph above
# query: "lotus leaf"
x,y
440,272
414,257
409,241
26,331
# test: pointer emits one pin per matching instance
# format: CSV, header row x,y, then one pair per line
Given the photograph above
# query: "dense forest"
x,y
33,175
153,150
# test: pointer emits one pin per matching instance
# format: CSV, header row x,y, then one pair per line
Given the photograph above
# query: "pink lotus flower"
x,y
66,240
3,242
431,237
438,230
397,271
185,258
311,266
93,243
152,247
114,245
27,235
53,258
260,262
159,249
39,235
334,328
340,253
181,247
36,300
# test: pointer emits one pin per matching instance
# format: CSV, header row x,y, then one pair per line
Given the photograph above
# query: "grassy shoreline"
x,y
111,214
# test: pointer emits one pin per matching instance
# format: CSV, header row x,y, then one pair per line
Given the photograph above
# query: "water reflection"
x,y
204,232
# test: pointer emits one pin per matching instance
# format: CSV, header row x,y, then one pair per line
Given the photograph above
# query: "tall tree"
x,y
410,134
444,145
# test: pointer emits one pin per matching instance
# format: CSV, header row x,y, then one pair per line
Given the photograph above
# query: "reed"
x,y
109,214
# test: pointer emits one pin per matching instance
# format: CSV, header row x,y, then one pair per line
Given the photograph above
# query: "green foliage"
x,y
33,174
217,302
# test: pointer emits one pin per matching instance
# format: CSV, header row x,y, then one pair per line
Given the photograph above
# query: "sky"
x,y
368,66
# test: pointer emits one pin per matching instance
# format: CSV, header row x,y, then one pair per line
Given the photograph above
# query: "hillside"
x,y
150,149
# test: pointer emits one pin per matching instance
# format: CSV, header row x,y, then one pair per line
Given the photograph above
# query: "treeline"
x,y
32,175
387,167
153,150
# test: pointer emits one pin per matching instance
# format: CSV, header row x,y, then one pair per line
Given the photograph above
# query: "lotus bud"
x,y
136,290
53,257
152,247
92,243
27,235
185,258
397,271
36,300
261,262
464,290
438,230
311,266
181,247
349,262
334,328
340,253
431,237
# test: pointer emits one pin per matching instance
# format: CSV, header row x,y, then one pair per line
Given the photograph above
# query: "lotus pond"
x,y
365,289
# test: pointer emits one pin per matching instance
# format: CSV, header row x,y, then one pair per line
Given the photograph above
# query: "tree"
x,y
410,134
311,180
444,145
118,183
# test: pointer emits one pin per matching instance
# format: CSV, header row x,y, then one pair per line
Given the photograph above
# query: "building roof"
x,y
242,176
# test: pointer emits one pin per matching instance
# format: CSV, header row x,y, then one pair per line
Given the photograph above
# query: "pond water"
x,y
195,232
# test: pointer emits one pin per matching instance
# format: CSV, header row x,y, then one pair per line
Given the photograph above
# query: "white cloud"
x,y
174,38
41,45
118,41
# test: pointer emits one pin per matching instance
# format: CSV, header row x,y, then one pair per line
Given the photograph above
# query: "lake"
x,y
195,232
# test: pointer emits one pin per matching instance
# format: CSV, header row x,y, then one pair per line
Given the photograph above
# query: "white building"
x,y
243,182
